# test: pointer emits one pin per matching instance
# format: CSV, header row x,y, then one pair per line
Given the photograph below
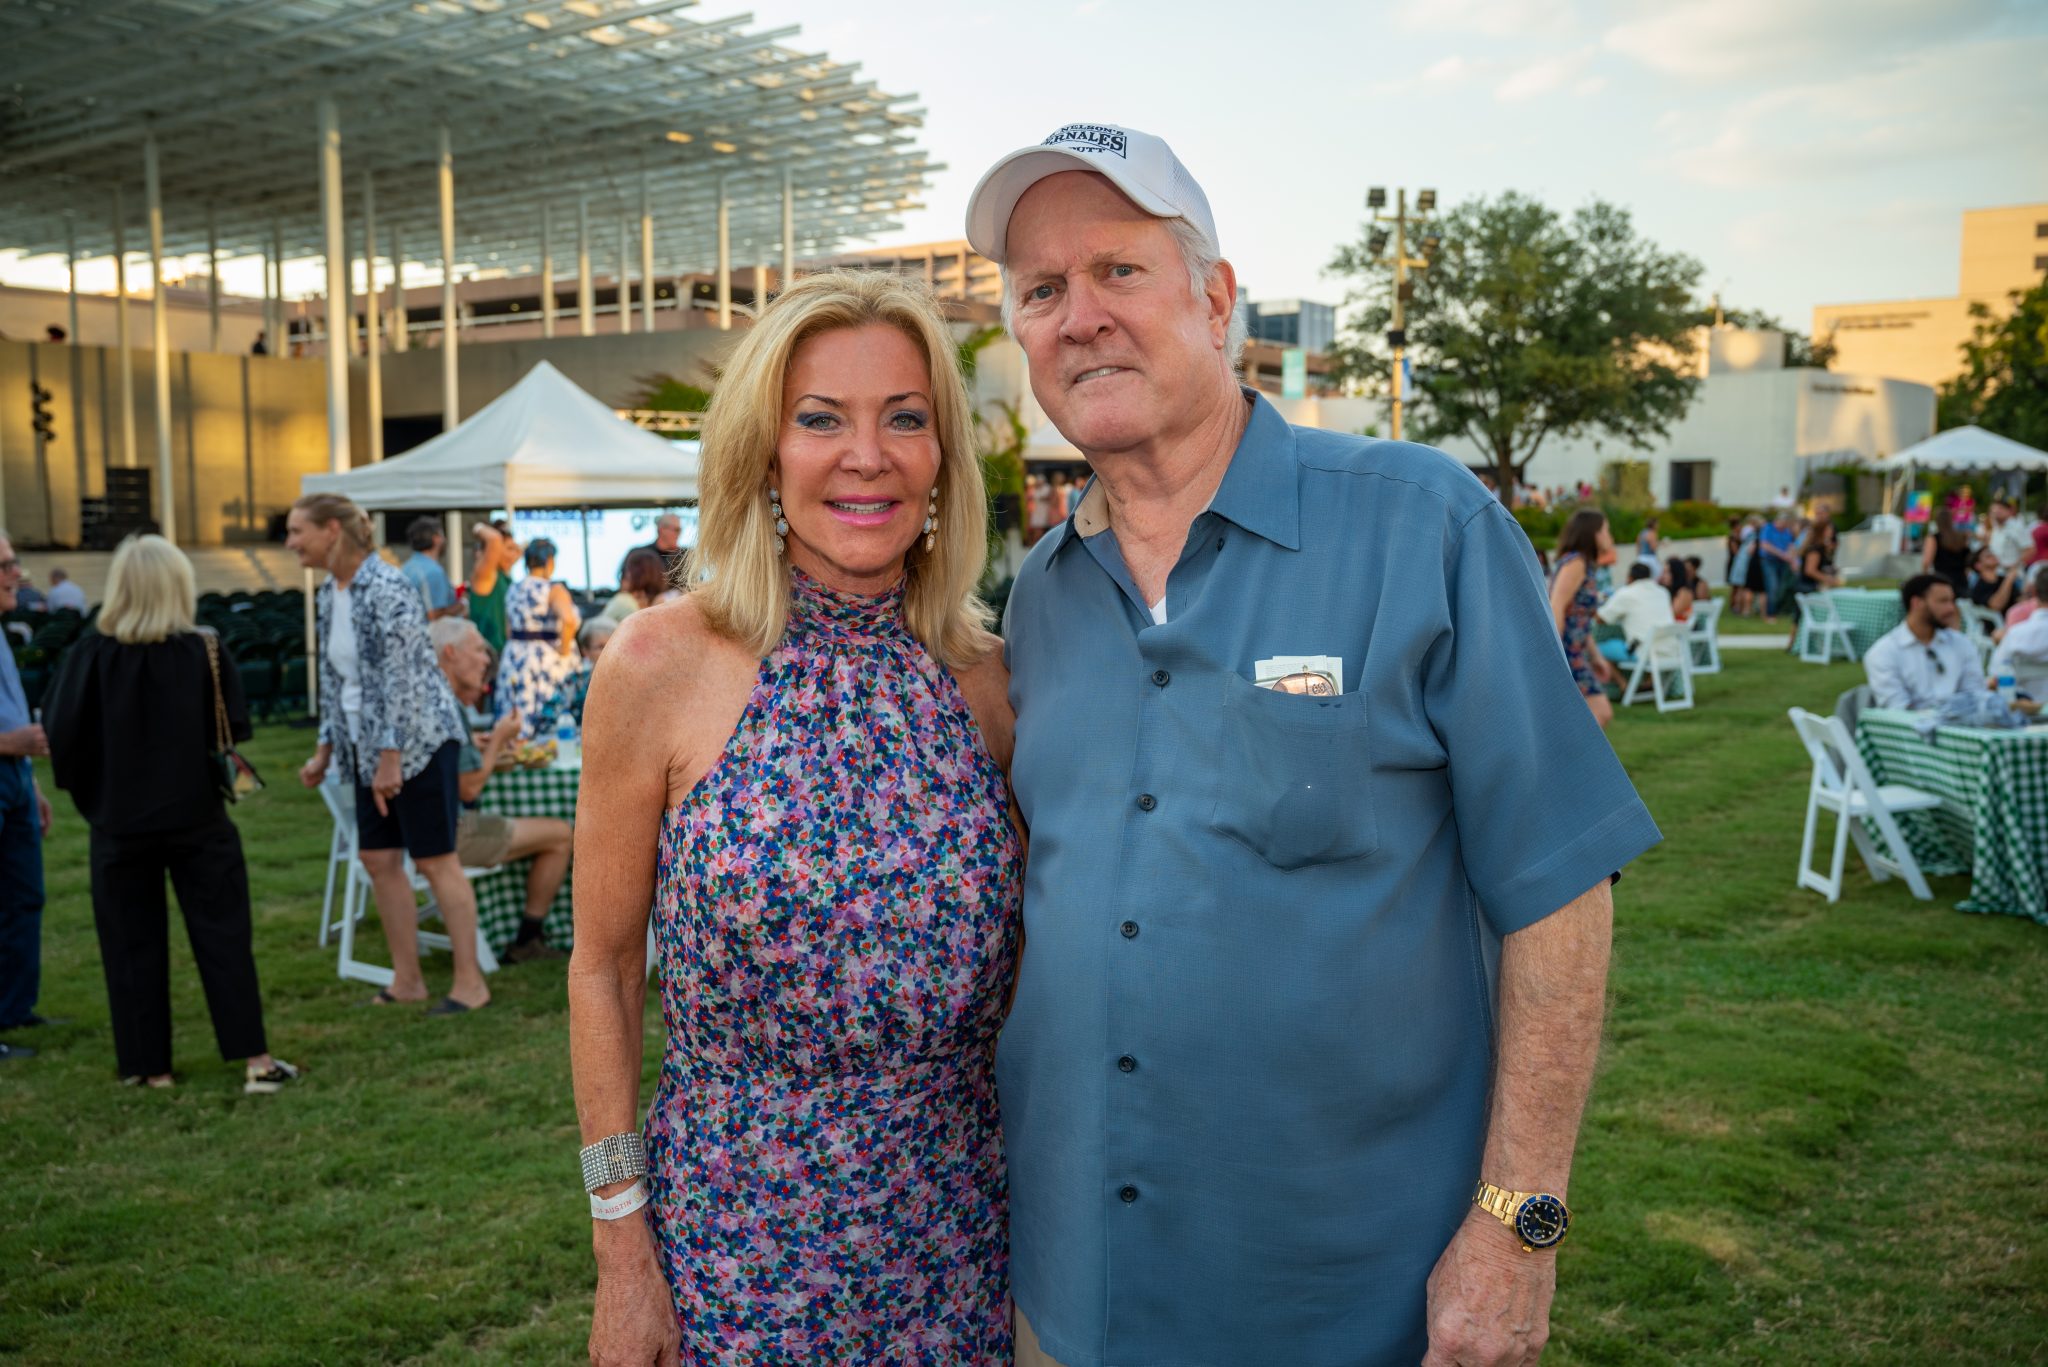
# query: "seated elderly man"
x,y
483,839
2023,651
1924,658
1639,607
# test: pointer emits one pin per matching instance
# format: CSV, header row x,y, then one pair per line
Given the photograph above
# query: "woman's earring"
x,y
781,523
931,520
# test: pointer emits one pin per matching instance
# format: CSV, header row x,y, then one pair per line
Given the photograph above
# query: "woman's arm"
x,y
483,575
1562,590
564,608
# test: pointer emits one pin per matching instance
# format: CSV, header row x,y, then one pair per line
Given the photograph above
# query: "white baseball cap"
x,y
1139,164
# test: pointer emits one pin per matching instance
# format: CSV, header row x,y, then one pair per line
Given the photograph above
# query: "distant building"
x,y
1293,323
1921,339
953,269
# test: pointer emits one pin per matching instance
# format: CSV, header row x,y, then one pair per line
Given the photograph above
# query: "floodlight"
x,y
1376,197
1430,244
1377,243
1425,201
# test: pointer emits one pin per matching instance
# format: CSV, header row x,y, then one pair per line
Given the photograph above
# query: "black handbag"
x,y
233,775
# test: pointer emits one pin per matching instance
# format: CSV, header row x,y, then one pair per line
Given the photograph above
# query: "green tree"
x,y
1529,325
2004,384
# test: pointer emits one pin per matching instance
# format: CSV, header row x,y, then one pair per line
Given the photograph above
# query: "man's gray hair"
x,y
669,520
596,629
1201,258
451,631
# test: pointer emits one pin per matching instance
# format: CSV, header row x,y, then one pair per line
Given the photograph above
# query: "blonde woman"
x,y
131,720
387,716
804,773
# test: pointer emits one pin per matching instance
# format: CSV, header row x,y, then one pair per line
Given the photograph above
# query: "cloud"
x,y
1749,39
1966,100
1543,77
1488,18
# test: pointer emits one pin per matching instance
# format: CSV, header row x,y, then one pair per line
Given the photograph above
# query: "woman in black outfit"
x,y
1946,551
131,723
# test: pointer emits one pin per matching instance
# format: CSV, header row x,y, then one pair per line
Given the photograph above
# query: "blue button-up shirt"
x,y
1244,1081
14,713
431,581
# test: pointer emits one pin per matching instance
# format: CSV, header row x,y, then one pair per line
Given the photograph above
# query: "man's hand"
x,y
1489,1302
315,769
43,812
24,740
384,787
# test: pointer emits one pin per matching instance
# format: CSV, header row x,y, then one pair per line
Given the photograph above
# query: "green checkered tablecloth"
x,y
1993,821
1868,613
501,896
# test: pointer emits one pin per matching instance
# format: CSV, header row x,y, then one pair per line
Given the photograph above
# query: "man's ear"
x,y
1221,292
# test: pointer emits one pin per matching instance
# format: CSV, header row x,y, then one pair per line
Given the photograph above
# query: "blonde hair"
x,y
355,523
151,595
734,571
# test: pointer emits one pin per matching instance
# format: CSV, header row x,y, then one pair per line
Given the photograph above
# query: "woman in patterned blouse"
x,y
804,767
388,719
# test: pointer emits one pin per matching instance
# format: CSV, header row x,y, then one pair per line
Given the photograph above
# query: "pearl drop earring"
x,y
781,523
931,520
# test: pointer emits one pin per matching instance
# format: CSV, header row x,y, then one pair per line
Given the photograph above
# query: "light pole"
x,y
1397,334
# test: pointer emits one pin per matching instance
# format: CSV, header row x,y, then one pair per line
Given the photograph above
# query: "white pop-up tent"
x,y
544,443
1963,449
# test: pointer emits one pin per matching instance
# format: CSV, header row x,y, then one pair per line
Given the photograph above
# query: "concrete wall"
x,y
243,429
25,312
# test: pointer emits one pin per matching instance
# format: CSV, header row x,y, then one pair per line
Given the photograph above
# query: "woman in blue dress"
x,y
540,643
1575,597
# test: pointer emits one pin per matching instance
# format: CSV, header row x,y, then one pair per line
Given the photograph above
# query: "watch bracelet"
x,y
615,1158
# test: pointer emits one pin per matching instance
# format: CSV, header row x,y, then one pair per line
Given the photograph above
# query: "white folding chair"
x,y
355,908
1705,638
1667,654
1979,624
341,850
1842,784
1820,627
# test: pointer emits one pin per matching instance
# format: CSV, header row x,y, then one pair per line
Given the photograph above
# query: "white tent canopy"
x,y
544,443
1962,449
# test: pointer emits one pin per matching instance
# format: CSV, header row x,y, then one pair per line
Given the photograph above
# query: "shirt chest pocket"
x,y
1296,776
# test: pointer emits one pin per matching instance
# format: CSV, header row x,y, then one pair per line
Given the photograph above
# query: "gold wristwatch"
x,y
1537,1218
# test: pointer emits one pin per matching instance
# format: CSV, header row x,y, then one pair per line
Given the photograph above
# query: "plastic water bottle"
x,y
568,741
2008,688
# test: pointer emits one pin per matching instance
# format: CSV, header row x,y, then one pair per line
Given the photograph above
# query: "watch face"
x,y
1542,1220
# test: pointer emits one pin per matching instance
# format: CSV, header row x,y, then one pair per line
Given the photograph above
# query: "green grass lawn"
x,y
1817,1134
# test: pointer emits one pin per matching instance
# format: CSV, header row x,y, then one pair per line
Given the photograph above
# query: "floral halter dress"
x,y
836,913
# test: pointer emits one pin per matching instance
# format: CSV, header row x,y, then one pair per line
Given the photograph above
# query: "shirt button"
x,y
1161,677
1129,930
1126,1064
1127,1194
1146,802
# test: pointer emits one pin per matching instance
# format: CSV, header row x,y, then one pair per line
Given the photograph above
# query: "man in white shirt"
x,y
2012,536
1783,502
64,593
2024,655
1924,659
1639,607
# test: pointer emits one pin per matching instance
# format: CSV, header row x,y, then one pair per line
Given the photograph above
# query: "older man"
x,y
667,543
422,569
1316,953
484,840
24,821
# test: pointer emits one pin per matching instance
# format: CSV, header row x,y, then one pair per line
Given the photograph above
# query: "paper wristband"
x,y
622,1205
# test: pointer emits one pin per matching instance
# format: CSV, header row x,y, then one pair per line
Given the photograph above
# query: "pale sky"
x,y
1805,152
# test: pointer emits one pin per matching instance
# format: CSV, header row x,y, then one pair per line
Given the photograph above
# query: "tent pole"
x,y
588,583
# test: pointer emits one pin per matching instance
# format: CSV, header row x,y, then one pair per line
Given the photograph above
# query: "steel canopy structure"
x,y
239,128
546,104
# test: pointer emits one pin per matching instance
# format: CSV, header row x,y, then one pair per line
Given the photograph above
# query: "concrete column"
x,y
77,355
547,270
212,281
646,258
586,296
334,243
724,253
760,289
401,331
450,396
160,337
373,353
278,334
122,342
625,276
788,229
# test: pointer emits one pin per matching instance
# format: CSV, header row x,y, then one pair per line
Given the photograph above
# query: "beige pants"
x,y
1029,1354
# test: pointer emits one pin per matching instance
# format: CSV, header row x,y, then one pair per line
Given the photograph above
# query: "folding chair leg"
x,y
1879,866
348,965
327,902
1635,678
1807,877
1842,823
1902,855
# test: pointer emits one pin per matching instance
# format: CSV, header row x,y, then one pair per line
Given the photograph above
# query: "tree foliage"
x,y
2004,384
1529,325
